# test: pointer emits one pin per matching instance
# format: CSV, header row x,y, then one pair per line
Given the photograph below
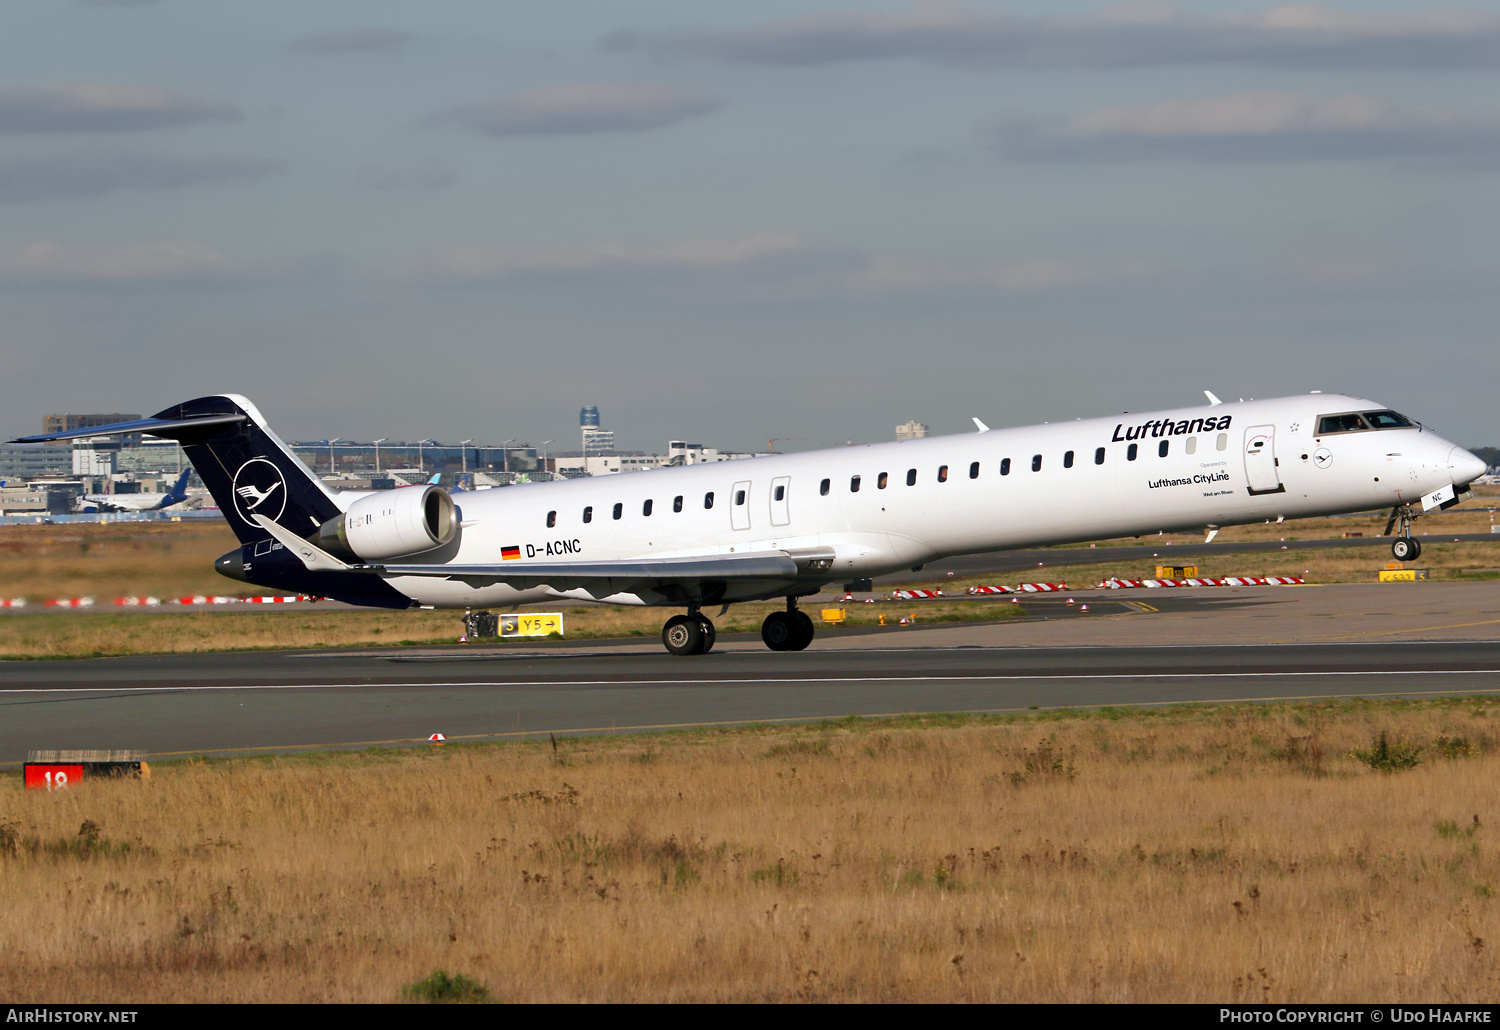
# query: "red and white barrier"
x,y
1040,588
155,602
1116,583
990,590
914,595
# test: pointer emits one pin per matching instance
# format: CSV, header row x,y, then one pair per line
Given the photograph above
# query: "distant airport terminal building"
x,y
911,431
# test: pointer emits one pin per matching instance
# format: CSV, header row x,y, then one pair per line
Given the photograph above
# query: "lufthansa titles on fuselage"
x,y
1199,479
1166,427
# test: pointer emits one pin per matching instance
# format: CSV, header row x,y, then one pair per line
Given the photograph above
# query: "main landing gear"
x,y
790,630
1405,547
693,633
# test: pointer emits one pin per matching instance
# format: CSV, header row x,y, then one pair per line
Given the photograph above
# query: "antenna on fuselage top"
x,y
1213,402
980,425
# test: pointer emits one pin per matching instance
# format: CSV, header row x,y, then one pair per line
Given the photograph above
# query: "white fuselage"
x,y
924,499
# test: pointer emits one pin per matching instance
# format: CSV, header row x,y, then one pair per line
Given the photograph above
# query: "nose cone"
x,y
1465,467
231,565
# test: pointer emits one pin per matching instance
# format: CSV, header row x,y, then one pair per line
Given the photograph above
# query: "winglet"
x,y
1213,402
981,426
315,558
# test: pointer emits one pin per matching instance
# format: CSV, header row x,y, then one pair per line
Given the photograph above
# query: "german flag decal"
x,y
509,553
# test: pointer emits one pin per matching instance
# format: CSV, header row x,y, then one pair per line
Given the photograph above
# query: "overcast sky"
x,y
737,222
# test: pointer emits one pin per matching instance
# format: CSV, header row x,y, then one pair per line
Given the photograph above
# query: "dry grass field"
x,y
114,559
1194,854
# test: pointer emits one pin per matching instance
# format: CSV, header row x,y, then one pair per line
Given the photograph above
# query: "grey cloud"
x,y
1254,127
776,261
97,172
580,109
163,265
755,256
429,178
85,107
353,40
150,262
946,33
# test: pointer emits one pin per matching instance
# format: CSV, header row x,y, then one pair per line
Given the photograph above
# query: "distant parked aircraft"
x,y
136,502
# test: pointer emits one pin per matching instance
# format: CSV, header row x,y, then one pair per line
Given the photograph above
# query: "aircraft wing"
x,y
602,578
599,578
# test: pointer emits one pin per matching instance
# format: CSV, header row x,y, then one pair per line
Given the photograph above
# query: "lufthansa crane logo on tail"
x,y
259,489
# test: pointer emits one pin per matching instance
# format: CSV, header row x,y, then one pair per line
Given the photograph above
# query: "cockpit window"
x,y
1387,420
1349,423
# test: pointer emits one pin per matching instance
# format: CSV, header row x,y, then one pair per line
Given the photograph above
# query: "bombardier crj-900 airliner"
x,y
786,525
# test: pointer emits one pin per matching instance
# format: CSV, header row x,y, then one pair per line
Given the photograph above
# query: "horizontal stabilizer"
x,y
170,428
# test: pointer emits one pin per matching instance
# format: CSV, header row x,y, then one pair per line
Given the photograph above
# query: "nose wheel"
x,y
1405,548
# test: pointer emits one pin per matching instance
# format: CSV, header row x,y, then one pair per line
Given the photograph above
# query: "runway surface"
x,y
1146,648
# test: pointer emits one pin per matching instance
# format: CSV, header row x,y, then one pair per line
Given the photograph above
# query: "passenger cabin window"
x,y
1005,466
1161,448
911,477
854,484
1068,460
588,514
942,473
1191,447
551,519
619,510
1222,442
739,497
881,480
1131,451
1387,420
1348,423
677,503
974,470
708,499
781,493
646,508
1098,455
1036,463
823,487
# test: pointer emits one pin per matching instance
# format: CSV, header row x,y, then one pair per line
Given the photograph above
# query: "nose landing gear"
x,y
791,630
1405,547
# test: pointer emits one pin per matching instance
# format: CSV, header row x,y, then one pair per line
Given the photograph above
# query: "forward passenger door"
x,y
1260,460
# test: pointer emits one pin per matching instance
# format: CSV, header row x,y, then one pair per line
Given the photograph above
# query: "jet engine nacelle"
x,y
392,524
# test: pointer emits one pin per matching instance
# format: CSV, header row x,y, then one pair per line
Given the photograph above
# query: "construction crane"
x,y
771,443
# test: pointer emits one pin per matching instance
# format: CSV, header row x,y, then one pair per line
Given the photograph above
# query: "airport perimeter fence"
x,y
43,519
